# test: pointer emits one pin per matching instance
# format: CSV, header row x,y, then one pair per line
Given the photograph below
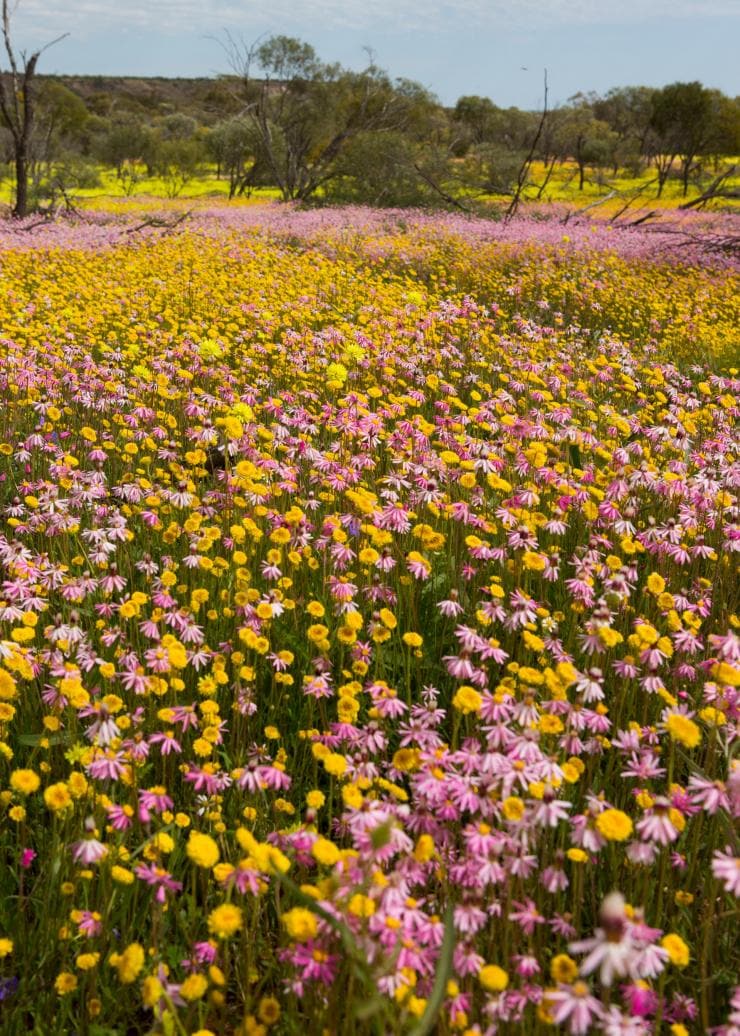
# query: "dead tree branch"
x,y
713,191
527,163
442,193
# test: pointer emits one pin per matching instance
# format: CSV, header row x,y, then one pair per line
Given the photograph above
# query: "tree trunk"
x,y
663,166
20,211
662,178
17,104
548,174
685,176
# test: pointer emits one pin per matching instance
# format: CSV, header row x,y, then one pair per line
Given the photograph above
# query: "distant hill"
x,y
208,100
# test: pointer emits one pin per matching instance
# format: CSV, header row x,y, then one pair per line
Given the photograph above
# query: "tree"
x,y
56,162
177,162
400,167
121,143
682,121
234,146
477,116
305,112
379,169
588,141
493,142
725,138
18,107
178,126
627,110
60,124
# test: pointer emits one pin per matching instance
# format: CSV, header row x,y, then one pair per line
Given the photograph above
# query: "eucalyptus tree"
x,y
306,112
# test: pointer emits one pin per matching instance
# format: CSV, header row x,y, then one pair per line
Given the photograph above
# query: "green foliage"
x,y
316,132
379,169
177,162
682,121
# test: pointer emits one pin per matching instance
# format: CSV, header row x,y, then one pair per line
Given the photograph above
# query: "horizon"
x,y
454,50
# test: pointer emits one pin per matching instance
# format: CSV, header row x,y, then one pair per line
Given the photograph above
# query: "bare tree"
x,y
18,106
526,165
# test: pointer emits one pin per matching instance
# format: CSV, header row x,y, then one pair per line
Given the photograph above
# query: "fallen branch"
x,y
726,244
713,191
653,214
592,205
159,223
43,222
632,199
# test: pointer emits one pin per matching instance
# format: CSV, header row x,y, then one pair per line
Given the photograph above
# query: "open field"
x,y
604,193
369,628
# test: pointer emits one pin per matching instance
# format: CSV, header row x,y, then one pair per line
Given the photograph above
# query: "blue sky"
x,y
497,48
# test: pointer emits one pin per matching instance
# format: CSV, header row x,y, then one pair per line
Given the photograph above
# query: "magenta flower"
x,y
27,857
726,868
158,878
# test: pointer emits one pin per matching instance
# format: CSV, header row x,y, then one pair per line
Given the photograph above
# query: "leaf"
x,y
369,1008
35,739
380,835
428,1020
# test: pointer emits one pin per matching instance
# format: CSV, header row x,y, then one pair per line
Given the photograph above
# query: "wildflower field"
x,y
369,626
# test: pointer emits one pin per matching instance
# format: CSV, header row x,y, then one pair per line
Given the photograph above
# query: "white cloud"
x,y
82,17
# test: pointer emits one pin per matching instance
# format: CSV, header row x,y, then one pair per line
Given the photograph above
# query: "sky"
x,y
495,48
